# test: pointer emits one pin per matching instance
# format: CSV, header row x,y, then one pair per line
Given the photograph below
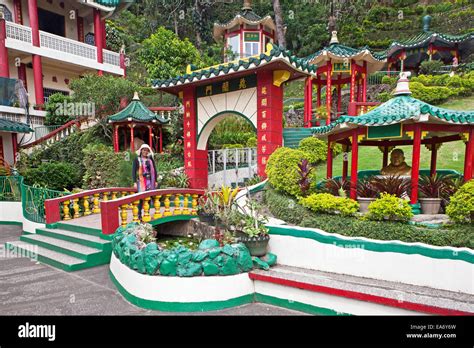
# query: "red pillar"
x,y
37,65
469,160
319,96
98,38
195,161
434,155
150,136
269,119
329,163
339,96
328,91
161,139
14,144
116,140
354,163
18,12
415,164
353,81
364,84
385,156
345,167
308,101
80,27
132,137
4,69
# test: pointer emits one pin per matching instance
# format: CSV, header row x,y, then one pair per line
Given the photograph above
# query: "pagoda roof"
x,y
273,54
399,109
245,16
108,5
339,53
138,112
13,126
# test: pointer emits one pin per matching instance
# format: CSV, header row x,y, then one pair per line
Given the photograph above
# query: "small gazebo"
x,y
403,120
408,54
340,65
137,122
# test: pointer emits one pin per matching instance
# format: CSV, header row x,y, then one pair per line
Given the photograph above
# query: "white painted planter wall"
x,y
13,212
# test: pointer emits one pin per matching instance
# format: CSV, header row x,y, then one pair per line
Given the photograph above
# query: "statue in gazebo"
x,y
397,165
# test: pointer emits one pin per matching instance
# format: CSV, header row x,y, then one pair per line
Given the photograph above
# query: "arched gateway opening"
x,y
250,87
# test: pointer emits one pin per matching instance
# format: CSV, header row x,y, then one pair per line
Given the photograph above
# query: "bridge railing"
x,y
81,204
185,203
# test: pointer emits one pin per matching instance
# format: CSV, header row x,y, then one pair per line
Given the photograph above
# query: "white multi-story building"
x,y
46,44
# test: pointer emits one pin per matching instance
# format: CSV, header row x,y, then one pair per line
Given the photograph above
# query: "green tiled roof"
x,y
137,112
397,110
345,52
425,38
231,67
15,127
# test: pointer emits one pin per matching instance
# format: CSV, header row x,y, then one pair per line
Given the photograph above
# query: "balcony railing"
x,y
61,44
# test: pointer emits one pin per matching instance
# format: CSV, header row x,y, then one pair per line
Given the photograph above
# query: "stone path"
x,y
31,288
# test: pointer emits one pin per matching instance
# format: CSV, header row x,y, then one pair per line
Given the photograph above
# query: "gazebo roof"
x,y
339,53
464,42
245,16
136,111
109,5
399,109
273,53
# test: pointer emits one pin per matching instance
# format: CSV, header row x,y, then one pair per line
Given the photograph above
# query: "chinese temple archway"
x,y
250,87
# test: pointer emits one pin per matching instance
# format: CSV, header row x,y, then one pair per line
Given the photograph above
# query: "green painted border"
x,y
374,246
180,306
297,306
16,223
236,113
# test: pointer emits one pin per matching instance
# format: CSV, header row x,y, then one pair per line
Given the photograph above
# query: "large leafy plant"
x,y
393,185
304,171
366,188
432,186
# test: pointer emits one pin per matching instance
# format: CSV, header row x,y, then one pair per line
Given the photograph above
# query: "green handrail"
x,y
32,201
10,188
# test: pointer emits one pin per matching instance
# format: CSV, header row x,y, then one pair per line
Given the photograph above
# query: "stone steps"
x,y
76,237
330,293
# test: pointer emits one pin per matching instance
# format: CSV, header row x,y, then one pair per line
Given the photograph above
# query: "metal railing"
x,y
376,78
43,131
10,188
18,32
32,201
231,166
112,58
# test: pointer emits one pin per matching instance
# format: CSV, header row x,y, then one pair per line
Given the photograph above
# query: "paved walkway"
x,y
31,288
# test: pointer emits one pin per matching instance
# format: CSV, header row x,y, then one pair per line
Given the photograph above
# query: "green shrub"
x,y
58,176
166,162
55,113
285,207
252,142
389,207
103,166
329,204
314,148
431,95
430,67
387,80
461,207
282,169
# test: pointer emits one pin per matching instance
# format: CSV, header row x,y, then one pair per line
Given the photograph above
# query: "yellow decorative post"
x,y
195,204
96,209
157,205
186,204
146,210
135,211
75,206
167,206
87,211
114,196
105,196
177,204
66,210
123,214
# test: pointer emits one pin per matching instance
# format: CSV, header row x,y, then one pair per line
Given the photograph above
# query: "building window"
x,y
7,13
233,44
49,91
251,49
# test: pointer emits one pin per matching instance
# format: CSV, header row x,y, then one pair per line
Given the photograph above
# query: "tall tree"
x,y
280,27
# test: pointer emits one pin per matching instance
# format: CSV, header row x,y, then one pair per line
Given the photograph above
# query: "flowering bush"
x,y
389,207
461,206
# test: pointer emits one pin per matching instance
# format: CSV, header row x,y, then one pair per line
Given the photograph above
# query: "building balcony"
x,y
19,37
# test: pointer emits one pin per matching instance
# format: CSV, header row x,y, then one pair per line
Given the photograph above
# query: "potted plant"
x,y
431,192
208,207
366,194
256,235
392,184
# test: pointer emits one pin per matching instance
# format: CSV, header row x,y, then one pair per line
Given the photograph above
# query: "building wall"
x,y
7,146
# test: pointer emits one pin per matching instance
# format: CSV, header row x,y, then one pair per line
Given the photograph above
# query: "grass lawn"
x,y
450,155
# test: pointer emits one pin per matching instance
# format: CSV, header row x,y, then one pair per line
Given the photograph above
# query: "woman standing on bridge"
x,y
144,172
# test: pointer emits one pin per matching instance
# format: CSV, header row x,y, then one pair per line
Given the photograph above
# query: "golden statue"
x,y
397,165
